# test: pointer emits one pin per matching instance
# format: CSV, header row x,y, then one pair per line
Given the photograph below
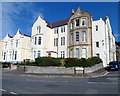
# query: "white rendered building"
x,y
48,39
1,46
77,37
17,48
103,40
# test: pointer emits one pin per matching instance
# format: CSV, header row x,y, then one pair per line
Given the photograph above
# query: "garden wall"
x,y
61,70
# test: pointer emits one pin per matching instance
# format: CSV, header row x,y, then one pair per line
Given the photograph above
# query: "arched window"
x,y
39,41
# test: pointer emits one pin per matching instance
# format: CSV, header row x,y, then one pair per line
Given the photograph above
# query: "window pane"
x,y
56,41
96,27
84,53
77,53
84,36
63,54
35,40
38,53
77,36
77,22
83,22
39,41
34,54
97,44
15,55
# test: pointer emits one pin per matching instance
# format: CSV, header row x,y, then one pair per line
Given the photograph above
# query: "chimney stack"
x,y
107,15
73,11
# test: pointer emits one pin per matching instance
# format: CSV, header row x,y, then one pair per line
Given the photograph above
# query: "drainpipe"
x,y
58,41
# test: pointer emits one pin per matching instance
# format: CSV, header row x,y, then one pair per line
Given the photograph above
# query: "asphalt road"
x,y
15,83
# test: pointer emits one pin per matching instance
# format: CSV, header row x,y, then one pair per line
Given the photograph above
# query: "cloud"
x,y
11,13
117,35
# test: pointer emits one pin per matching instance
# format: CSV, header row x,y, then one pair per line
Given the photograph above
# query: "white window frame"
x,y
84,36
77,37
84,54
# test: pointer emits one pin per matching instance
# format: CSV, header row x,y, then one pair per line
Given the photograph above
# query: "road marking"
x,y
3,90
13,93
105,73
45,81
100,83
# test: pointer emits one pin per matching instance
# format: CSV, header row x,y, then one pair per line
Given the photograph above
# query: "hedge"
x,y
74,62
64,62
5,64
47,61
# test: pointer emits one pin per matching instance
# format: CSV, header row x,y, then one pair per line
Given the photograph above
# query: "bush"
x,y
94,60
6,64
47,61
74,62
71,62
28,63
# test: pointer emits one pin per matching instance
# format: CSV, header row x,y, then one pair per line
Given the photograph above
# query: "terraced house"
x,y
77,37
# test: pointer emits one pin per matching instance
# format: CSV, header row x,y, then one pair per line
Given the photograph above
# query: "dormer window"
x,y
77,22
38,29
83,22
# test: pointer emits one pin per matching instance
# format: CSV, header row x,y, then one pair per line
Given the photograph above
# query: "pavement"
x,y
17,82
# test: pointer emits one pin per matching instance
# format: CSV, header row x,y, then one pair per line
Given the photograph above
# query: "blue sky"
x,y
22,15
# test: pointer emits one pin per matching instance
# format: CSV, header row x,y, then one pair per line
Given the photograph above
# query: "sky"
x,y
22,15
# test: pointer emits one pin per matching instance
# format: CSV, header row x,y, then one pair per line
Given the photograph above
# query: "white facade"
x,y
51,40
16,49
46,40
103,40
1,46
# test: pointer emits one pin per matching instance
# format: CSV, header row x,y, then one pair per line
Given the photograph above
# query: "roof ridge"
x,y
25,34
59,21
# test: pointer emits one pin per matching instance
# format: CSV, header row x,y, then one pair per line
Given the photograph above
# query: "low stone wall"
x,y
93,68
60,70
57,70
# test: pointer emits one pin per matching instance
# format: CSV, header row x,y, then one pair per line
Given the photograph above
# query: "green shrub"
x,y
71,62
74,62
28,63
94,60
6,64
47,61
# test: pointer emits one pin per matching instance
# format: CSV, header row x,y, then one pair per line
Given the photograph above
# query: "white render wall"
x,y
99,36
1,46
47,40
23,48
60,47
106,41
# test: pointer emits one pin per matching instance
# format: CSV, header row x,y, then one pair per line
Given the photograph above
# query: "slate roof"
x,y
10,36
25,34
58,23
